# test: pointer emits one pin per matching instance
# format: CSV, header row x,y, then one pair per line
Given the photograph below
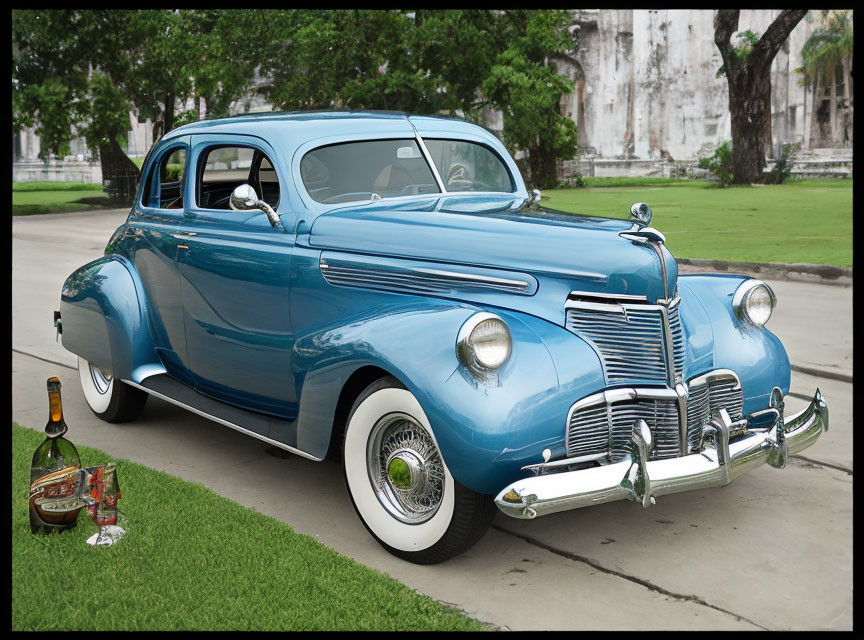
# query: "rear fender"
x,y
103,309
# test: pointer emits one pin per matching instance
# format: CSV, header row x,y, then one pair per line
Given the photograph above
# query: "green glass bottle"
x,y
55,473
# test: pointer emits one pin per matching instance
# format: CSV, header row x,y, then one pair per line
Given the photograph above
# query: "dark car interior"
x,y
217,180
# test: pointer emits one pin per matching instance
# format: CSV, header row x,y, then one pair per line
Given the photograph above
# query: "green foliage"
x,y
783,167
192,559
746,41
574,181
720,164
456,62
185,117
829,44
173,172
108,112
524,84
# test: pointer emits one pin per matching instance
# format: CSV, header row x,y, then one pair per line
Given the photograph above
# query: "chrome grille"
x,y
602,424
677,341
629,340
608,428
708,393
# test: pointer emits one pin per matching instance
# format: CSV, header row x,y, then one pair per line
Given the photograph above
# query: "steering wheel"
x,y
458,178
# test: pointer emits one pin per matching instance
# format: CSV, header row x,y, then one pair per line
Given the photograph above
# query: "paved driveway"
x,y
771,550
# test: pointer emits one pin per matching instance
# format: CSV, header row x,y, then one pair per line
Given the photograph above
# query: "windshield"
x,y
466,166
368,170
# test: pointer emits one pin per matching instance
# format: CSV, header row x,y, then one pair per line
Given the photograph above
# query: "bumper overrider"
x,y
729,449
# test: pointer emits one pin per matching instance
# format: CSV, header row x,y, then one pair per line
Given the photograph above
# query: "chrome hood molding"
x,y
583,253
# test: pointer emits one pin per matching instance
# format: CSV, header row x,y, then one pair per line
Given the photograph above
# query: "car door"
x,y
235,270
150,242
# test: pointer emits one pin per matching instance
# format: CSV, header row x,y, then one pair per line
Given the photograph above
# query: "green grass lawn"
x,y
194,560
804,221
30,198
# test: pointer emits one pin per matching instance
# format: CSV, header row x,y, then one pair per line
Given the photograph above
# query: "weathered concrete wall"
x,y
646,85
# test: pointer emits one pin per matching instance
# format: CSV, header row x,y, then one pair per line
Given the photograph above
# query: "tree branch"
x,y
725,24
775,35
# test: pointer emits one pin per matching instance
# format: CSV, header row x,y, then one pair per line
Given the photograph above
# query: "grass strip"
x,y
56,186
25,203
802,221
192,559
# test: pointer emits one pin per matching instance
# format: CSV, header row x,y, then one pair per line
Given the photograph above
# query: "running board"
x,y
167,388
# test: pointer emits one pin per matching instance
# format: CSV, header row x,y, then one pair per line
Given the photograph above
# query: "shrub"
x,y
783,168
720,164
574,181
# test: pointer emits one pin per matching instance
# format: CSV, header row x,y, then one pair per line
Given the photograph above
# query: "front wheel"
x,y
110,399
399,484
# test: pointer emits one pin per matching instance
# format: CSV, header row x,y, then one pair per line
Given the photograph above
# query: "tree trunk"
x,y
749,80
169,113
544,169
119,174
750,108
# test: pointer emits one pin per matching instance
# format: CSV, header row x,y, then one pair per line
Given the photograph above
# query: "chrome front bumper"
x,y
637,478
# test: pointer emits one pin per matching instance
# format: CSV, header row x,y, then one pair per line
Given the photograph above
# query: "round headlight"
x,y
483,343
754,301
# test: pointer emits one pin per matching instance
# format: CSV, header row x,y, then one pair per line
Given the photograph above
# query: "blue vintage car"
x,y
383,290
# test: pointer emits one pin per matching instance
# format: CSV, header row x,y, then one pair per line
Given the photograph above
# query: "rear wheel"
x,y
109,398
399,484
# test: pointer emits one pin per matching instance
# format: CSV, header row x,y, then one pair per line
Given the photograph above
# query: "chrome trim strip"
x,y
428,157
639,479
716,374
565,462
607,296
454,275
236,427
668,346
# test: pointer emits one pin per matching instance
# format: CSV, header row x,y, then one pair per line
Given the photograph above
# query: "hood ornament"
x,y
641,213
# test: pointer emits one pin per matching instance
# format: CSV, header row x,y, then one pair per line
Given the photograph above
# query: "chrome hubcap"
x,y
405,468
101,379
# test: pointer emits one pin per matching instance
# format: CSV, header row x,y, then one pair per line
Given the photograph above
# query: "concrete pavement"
x,y
771,550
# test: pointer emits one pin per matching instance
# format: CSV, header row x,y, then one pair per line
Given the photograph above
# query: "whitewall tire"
x,y
110,399
398,481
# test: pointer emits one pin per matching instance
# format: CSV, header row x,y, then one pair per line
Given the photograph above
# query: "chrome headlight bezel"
x,y
742,296
466,352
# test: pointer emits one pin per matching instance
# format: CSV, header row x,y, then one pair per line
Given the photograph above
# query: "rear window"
x,y
466,166
366,171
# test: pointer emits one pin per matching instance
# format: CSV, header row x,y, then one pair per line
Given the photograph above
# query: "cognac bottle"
x,y
55,473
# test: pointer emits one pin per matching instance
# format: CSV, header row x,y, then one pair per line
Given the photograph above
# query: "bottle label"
x,y
55,498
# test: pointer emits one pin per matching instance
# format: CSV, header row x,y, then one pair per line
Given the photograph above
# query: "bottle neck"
x,y
56,426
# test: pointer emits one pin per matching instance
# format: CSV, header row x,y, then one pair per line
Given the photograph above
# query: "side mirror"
x,y
244,198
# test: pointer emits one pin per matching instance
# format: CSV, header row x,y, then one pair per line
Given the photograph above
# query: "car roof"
x,y
273,120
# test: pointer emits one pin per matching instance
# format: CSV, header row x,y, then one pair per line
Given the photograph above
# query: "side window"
x,y
167,191
466,166
224,168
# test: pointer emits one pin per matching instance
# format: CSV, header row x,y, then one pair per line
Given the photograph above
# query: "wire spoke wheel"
x,y
405,468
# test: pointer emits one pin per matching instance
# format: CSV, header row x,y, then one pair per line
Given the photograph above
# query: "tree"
x,y
749,79
86,70
525,86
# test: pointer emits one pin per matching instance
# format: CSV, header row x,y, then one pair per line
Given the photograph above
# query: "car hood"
x,y
578,252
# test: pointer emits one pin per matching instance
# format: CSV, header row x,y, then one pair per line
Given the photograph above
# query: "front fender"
x,y
104,318
485,430
755,354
